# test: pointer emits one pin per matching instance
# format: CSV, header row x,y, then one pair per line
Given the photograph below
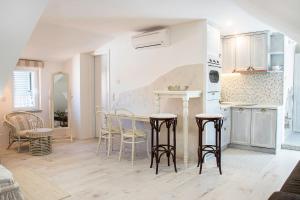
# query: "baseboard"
x,y
251,148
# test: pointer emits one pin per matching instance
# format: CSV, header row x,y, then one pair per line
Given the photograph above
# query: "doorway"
x,y
292,129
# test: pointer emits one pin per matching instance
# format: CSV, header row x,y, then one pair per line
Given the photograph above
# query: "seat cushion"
x,y
284,196
6,177
20,122
136,133
292,184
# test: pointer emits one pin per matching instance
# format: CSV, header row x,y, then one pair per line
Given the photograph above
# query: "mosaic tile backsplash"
x,y
259,88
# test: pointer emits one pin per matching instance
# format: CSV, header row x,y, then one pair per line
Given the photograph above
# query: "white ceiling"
x,y
73,26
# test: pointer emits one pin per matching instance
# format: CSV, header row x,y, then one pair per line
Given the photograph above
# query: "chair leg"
x,y
99,142
11,143
19,147
109,144
121,149
132,151
147,147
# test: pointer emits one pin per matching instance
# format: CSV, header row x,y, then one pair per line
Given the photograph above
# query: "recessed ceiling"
x,y
69,27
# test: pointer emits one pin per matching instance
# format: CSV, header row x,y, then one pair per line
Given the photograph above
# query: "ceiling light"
x,y
229,23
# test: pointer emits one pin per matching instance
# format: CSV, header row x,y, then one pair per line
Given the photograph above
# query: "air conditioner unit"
x,y
157,38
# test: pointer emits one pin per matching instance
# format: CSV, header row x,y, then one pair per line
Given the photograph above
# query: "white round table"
x,y
40,141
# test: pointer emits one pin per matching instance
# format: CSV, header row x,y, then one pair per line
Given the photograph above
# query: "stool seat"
x,y
163,116
209,116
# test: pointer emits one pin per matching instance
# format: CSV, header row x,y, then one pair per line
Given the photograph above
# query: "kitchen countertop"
x,y
248,105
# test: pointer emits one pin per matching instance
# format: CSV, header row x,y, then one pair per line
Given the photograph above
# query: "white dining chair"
x,y
129,133
107,130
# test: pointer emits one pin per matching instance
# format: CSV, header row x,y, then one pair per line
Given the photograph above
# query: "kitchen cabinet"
x,y
245,52
256,127
241,126
259,51
263,128
243,57
228,55
213,41
225,139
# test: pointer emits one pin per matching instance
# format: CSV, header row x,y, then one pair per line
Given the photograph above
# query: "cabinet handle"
x,y
241,109
263,110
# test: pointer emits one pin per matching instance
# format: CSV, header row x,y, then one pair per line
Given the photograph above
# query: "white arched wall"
x,y
281,15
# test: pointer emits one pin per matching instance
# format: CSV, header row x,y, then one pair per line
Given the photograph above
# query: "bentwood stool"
x,y
157,149
203,150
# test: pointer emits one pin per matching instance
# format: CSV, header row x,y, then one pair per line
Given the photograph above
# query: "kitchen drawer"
x,y
213,96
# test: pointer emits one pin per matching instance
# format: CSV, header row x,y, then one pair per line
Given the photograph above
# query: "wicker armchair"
x,y
18,124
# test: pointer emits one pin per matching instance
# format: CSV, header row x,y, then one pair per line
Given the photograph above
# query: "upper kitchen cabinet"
x,y
228,58
245,52
213,41
259,51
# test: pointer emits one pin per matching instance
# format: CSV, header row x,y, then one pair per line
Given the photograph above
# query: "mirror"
x,y
60,104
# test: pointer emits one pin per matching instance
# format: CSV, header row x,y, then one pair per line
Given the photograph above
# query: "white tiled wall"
x,y
260,88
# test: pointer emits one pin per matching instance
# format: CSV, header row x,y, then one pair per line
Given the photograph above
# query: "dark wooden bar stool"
x,y
202,120
157,149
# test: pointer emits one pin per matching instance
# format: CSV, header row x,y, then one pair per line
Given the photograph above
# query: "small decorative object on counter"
x,y
178,88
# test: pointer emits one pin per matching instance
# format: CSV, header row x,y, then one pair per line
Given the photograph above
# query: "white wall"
x,y
131,69
17,19
72,67
136,73
81,71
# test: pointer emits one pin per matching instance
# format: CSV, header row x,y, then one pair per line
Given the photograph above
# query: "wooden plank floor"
x,y
76,169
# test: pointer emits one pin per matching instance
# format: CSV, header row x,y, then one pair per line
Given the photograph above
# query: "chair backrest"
x,y
19,121
107,120
126,120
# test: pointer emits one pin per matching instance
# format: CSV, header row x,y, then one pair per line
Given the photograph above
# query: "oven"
x,y
214,75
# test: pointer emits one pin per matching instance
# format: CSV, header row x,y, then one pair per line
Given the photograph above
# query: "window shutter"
x,y
23,89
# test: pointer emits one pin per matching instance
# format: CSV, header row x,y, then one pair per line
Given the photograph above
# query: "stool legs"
x,y
152,138
168,153
219,153
174,144
157,149
214,149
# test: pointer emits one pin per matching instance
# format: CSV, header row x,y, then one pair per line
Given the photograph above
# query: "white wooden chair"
x,y
19,124
129,133
107,130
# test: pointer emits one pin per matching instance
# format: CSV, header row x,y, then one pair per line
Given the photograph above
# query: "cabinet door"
x,y
259,51
243,52
226,112
213,41
228,54
241,126
263,128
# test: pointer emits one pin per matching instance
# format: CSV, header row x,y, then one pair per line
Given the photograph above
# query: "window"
x,y
26,89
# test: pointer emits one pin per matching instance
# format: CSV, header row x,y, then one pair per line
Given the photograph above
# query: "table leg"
x,y
157,104
185,130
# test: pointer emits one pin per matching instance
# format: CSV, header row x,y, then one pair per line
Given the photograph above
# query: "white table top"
x,y
189,93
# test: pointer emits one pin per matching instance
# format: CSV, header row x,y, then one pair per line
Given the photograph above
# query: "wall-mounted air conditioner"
x,y
157,38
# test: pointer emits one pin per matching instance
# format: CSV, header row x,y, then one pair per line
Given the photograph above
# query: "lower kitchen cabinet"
x,y
254,127
225,139
241,126
263,128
